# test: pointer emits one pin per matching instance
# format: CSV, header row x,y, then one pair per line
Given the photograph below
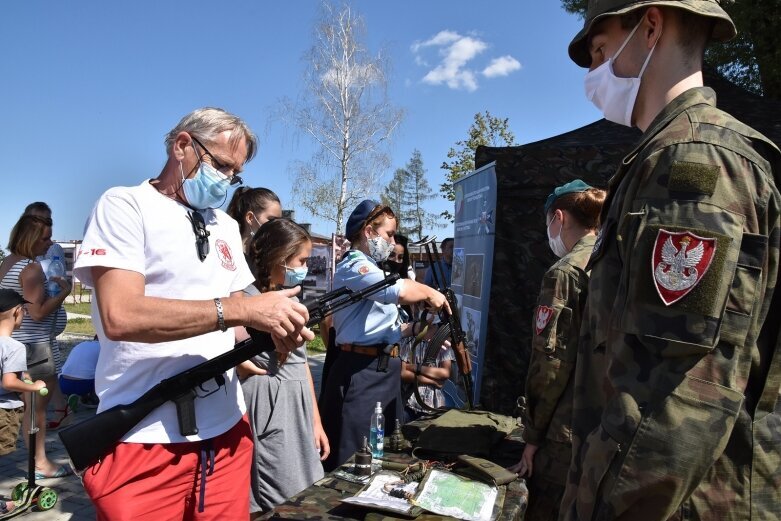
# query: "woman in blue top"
x,y
365,372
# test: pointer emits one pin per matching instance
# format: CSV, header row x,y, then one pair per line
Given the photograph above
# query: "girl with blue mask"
x,y
289,443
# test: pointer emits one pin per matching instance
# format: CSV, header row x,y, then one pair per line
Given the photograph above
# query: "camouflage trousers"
x,y
548,481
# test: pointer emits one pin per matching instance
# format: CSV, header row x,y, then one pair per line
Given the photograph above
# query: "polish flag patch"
x,y
542,318
678,262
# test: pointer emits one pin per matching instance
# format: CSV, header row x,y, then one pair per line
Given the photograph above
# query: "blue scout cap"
x,y
359,216
570,188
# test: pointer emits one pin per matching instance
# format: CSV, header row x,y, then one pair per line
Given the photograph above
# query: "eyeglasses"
x,y
226,170
201,234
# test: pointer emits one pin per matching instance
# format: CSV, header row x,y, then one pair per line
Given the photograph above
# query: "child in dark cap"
x,y
13,364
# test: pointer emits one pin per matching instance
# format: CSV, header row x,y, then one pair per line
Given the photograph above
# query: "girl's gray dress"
x,y
280,412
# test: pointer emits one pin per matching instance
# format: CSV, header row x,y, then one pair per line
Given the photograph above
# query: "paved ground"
x,y
73,503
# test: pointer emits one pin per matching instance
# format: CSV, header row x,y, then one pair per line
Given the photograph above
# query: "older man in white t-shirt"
x,y
167,269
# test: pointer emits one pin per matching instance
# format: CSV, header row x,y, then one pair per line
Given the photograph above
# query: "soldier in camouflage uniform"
x,y
572,217
676,412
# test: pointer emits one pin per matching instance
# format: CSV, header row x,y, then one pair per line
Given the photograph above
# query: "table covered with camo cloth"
x,y
322,501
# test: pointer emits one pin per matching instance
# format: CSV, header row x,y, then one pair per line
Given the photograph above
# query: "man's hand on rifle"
x,y
276,313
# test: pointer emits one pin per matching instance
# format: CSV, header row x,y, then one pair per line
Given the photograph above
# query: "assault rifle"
x,y
450,327
87,442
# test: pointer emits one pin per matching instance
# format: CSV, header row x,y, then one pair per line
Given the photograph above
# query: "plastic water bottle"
x,y
377,432
56,268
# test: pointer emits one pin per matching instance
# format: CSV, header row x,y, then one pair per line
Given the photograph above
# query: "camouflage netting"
x,y
525,176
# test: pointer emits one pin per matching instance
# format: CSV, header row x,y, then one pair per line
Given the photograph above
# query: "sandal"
x,y
61,472
63,421
6,507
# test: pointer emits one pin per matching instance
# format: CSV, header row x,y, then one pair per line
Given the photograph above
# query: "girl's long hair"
x,y
275,242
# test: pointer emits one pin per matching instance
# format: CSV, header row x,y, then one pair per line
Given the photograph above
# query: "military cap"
x,y
358,217
9,299
723,28
570,188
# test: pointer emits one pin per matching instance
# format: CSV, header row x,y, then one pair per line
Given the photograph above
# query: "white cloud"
x,y
501,67
456,51
441,38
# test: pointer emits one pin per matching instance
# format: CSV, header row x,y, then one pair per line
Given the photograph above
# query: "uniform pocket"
x,y
673,447
691,322
744,293
603,452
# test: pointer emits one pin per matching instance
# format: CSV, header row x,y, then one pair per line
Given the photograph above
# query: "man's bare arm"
x,y
128,314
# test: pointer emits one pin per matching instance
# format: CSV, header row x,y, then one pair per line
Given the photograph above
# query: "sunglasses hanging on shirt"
x,y
201,234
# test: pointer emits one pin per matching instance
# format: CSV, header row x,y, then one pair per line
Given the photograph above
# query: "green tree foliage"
x,y
395,195
420,192
753,59
407,194
486,130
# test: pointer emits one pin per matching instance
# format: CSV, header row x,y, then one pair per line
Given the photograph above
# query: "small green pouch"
x,y
485,471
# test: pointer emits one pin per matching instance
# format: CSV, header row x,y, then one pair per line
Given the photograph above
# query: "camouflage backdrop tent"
x,y
525,175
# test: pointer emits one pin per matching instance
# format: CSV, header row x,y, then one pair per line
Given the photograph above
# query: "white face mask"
x,y
555,243
251,231
612,95
379,249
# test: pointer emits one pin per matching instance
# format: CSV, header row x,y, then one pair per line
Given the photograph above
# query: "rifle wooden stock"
x,y
88,441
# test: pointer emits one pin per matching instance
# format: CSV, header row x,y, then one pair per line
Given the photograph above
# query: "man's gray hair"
x,y
206,123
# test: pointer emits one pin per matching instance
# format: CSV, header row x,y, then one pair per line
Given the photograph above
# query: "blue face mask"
x,y
207,189
295,276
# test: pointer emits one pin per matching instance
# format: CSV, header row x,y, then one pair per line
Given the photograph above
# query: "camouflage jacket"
x,y
556,324
676,410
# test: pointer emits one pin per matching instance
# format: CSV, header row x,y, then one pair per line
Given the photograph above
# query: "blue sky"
x,y
90,88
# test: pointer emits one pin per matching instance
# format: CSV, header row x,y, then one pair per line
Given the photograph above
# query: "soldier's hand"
x,y
525,467
275,313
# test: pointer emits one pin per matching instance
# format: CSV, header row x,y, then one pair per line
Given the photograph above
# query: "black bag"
x,y
40,360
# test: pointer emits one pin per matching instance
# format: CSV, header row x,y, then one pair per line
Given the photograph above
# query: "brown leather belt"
x,y
373,350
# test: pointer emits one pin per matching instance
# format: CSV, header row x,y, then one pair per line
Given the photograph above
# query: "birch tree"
x,y
344,108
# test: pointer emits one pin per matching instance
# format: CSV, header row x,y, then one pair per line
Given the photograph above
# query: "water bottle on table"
x,y
377,432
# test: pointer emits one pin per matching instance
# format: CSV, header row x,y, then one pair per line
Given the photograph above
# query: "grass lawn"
x,y
316,345
83,308
82,326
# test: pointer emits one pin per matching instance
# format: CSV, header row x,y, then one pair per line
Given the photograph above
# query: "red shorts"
x,y
140,481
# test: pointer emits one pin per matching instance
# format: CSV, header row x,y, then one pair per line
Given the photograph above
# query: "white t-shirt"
x,y
82,360
139,229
